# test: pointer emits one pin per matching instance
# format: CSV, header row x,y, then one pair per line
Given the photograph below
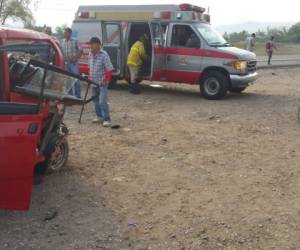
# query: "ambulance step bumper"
x,y
240,81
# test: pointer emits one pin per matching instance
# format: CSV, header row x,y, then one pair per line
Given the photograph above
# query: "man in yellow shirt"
x,y
135,61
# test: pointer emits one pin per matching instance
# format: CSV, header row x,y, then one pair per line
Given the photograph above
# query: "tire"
x,y
214,85
237,90
61,157
113,83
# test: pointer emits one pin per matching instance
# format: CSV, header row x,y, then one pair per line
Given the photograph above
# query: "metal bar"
x,y
83,105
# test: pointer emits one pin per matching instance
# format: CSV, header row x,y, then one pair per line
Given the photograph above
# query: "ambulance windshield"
x,y
212,36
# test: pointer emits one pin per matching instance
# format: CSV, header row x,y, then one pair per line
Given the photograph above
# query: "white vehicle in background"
x,y
209,61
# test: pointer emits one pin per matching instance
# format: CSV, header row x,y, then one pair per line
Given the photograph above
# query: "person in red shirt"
x,y
270,46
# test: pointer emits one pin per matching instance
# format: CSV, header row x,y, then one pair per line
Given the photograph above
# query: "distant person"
x,y
48,30
137,58
270,46
72,52
250,42
101,69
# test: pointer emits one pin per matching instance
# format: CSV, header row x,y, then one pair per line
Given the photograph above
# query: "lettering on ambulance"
x,y
195,52
184,55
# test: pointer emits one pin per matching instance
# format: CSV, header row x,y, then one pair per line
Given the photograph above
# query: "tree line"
x,y
284,35
19,11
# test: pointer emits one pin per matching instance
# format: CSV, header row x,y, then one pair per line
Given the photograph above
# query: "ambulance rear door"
x,y
158,51
112,44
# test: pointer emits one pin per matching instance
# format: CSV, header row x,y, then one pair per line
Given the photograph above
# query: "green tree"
x,y
16,10
60,31
294,33
34,27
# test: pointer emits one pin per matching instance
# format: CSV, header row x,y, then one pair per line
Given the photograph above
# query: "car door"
x,y
20,126
158,53
183,58
112,44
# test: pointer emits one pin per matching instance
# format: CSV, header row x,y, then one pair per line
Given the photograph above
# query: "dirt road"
x,y
181,173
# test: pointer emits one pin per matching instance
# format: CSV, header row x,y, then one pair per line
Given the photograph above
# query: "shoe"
x,y
106,124
97,120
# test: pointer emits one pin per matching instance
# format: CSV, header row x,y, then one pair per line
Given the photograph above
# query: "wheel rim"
x,y
212,86
58,156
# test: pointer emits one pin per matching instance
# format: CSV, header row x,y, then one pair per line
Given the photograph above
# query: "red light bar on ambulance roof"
x,y
87,14
189,7
84,14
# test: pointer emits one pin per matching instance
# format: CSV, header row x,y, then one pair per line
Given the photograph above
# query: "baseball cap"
x,y
95,40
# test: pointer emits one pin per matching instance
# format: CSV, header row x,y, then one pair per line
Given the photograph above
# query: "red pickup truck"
x,y
34,90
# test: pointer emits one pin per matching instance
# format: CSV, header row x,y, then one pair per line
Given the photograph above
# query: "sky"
x,y
56,12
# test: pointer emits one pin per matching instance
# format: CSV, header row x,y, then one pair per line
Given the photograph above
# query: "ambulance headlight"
x,y
239,66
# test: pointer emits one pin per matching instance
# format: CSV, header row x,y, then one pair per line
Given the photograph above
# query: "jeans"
x,y
74,68
101,104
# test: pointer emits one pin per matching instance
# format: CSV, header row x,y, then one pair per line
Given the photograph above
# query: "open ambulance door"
x,y
20,126
112,44
158,52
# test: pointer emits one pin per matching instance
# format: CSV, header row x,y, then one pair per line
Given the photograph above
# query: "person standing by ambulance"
x,y
137,58
72,52
270,46
100,71
250,43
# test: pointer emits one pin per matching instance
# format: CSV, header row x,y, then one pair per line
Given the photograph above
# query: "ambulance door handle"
x,y
168,58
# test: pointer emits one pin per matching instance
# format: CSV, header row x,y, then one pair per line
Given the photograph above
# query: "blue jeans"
x,y
74,68
101,104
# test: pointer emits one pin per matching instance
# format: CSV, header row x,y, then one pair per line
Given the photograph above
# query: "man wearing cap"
x,y
72,52
136,59
100,71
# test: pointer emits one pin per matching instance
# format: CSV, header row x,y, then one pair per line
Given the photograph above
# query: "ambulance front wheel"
x,y
214,85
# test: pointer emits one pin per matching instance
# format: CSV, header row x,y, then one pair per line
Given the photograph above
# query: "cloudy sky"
x,y
57,12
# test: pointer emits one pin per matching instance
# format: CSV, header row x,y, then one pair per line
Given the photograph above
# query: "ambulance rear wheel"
x,y
214,85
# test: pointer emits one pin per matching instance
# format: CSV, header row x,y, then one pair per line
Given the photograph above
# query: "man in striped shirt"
x,y
100,71
72,52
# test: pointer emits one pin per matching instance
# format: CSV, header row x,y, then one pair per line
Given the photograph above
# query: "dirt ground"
x,y
181,173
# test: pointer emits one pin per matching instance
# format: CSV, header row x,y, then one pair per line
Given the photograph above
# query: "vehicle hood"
x,y
240,53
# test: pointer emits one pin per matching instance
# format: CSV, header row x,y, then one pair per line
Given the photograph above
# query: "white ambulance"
x,y
184,47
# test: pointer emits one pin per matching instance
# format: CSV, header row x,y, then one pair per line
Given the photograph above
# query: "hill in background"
x,y
252,26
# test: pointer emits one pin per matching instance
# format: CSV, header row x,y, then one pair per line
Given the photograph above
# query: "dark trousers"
x,y
270,54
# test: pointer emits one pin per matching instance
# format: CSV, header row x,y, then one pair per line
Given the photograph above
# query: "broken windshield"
x,y
39,79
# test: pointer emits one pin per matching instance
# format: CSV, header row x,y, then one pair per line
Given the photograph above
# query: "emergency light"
x,y
189,7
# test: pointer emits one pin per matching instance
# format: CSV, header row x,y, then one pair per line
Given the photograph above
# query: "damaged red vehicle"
x,y
34,91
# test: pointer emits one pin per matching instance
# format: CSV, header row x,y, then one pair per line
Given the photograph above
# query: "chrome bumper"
x,y
239,81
